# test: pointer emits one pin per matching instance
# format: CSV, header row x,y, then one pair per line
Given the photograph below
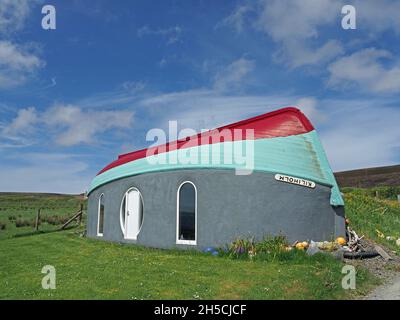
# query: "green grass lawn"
x,y
90,269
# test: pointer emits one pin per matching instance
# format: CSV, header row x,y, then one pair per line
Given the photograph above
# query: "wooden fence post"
x,y
37,220
80,217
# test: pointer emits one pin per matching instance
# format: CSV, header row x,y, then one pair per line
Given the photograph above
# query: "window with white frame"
x,y
186,214
100,221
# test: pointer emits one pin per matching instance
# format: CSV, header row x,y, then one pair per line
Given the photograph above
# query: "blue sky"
x,y
73,98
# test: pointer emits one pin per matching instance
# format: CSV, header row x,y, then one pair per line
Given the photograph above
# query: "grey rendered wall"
x,y
229,206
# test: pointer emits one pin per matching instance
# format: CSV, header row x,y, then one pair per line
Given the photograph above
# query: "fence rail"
x,y
76,216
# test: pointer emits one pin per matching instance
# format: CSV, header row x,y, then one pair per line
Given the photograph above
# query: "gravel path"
x,y
389,291
387,271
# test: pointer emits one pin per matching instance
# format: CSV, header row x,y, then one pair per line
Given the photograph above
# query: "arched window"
x,y
186,228
131,215
100,220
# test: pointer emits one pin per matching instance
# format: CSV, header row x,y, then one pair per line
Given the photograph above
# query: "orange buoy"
x,y
341,241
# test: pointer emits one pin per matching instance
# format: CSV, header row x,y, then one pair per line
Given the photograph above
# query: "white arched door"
x,y
133,214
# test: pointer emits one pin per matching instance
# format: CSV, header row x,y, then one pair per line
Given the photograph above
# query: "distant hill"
x,y
41,195
369,177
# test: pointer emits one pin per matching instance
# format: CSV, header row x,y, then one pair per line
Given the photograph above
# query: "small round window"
x,y
131,216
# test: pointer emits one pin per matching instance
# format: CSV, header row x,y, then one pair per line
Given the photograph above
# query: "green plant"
x,y
2,225
55,220
272,244
21,222
241,248
269,248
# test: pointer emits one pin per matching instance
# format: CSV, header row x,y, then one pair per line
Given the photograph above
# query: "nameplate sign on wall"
x,y
294,180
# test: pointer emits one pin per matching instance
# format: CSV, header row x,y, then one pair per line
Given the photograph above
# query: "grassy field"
x,y
18,212
371,216
90,269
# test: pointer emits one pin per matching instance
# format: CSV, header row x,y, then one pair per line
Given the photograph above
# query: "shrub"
x,y
55,220
2,225
12,218
21,222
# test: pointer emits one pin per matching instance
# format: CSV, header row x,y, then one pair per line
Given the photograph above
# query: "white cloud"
x,y
298,28
309,106
293,24
23,123
296,53
76,126
16,64
162,62
67,125
233,75
17,58
53,83
133,86
365,70
359,134
297,19
45,172
172,34
107,99
18,133
237,18
13,14
378,16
